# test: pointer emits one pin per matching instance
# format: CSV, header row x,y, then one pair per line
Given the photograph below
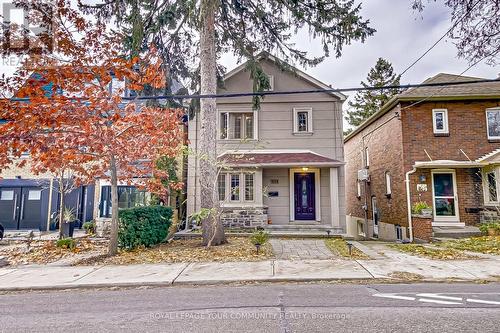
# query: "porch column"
x,y
334,198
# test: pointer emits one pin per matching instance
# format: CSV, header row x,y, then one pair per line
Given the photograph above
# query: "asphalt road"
x,y
258,308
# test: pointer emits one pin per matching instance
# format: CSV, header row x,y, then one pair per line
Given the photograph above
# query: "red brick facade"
x,y
422,228
396,145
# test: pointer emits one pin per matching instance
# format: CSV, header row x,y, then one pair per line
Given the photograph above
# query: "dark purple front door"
x,y
305,208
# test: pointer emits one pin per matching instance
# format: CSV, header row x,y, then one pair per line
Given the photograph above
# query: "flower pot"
x,y
492,231
427,212
68,229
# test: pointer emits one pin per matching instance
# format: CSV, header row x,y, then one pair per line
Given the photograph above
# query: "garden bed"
x,y
339,247
484,244
187,250
432,253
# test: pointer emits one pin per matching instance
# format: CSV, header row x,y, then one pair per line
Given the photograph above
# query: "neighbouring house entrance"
x,y
305,203
444,191
21,207
375,216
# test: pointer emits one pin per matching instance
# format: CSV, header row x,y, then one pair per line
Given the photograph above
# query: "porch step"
x,y
454,232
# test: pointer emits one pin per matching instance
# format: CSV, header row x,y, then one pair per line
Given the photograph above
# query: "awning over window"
x,y
263,158
448,164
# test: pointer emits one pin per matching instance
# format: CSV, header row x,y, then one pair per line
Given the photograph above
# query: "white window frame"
x,y
486,189
497,109
445,129
271,83
241,175
255,125
296,121
388,188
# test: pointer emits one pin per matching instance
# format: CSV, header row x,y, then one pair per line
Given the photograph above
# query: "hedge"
x,y
143,226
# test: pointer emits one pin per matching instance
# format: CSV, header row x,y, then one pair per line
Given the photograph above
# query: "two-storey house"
x,y
281,164
438,145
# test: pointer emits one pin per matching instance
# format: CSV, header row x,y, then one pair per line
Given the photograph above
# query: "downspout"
x,y
408,201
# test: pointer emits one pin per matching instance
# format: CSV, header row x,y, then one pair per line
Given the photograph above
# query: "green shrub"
x,y
89,227
66,243
483,227
143,226
259,237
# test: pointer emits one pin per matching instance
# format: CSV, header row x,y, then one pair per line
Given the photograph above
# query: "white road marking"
x,y
482,301
428,300
440,297
395,296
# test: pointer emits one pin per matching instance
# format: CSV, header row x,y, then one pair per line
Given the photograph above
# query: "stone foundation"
x,y
486,216
244,217
422,228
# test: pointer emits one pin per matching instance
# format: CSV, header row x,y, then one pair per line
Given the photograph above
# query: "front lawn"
x,y
484,244
187,250
432,253
339,247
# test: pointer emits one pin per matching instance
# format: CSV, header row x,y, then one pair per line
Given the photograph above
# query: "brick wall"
x,y
384,141
422,228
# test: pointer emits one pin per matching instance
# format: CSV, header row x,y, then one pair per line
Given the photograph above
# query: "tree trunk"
x,y
113,238
61,205
212,229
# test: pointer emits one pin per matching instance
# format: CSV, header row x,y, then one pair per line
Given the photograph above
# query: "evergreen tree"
x,y
192,34
367,102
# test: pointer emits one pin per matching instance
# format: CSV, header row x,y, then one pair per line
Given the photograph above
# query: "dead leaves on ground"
x,y
484,244
188,250
432,253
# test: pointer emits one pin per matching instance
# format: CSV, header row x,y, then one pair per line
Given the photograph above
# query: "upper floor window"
x,y
302,120
493,123
237,125
388,189
440,121
271,83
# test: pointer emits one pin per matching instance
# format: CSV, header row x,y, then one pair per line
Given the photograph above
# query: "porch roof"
x,y
447,164
263,158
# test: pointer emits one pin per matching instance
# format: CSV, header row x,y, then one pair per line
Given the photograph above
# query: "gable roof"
x,y
472,91
298,72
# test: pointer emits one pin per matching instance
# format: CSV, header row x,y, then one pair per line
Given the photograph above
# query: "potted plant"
x,y
69,221
89,227
422,208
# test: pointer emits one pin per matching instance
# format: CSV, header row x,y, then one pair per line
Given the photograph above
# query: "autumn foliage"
x,y
68,109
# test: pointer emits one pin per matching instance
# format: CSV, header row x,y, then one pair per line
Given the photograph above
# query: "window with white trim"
x,y
491,185
440,121
237,125
493,123
231,184
271,83
302,120
388,189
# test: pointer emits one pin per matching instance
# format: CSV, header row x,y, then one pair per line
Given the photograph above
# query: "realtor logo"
x,y
26,30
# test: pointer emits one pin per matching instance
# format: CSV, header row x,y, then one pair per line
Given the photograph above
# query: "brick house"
x,y
446,140
281,166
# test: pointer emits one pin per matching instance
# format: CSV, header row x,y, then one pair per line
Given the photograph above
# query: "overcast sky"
x,y
402,36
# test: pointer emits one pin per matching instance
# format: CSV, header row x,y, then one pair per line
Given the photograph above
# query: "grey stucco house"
x,y
282,166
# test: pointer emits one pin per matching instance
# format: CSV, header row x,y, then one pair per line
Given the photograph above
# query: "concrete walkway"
x,y
389,269
300,249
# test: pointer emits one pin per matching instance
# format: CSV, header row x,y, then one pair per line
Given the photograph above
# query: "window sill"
x,y
238,140
441,134
493,140
303,133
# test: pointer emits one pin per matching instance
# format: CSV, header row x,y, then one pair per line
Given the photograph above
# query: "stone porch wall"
x,y
486,216
242,217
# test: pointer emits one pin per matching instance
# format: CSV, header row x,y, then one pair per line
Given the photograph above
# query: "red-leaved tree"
x,y
67,109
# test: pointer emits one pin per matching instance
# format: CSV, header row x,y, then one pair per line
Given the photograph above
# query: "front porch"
x,y
290,191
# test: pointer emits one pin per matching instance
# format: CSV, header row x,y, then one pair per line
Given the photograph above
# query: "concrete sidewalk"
x,y
51,277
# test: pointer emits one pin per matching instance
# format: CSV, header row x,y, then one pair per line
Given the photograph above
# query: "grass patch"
x,y
339,247
427,252
484,244
188,250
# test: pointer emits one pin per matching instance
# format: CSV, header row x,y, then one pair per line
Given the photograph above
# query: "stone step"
x,y
454,232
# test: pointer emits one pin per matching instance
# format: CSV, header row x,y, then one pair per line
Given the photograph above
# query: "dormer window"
x,y
271,83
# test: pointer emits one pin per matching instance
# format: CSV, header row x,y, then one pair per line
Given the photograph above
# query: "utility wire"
x,y
292,92
440,39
